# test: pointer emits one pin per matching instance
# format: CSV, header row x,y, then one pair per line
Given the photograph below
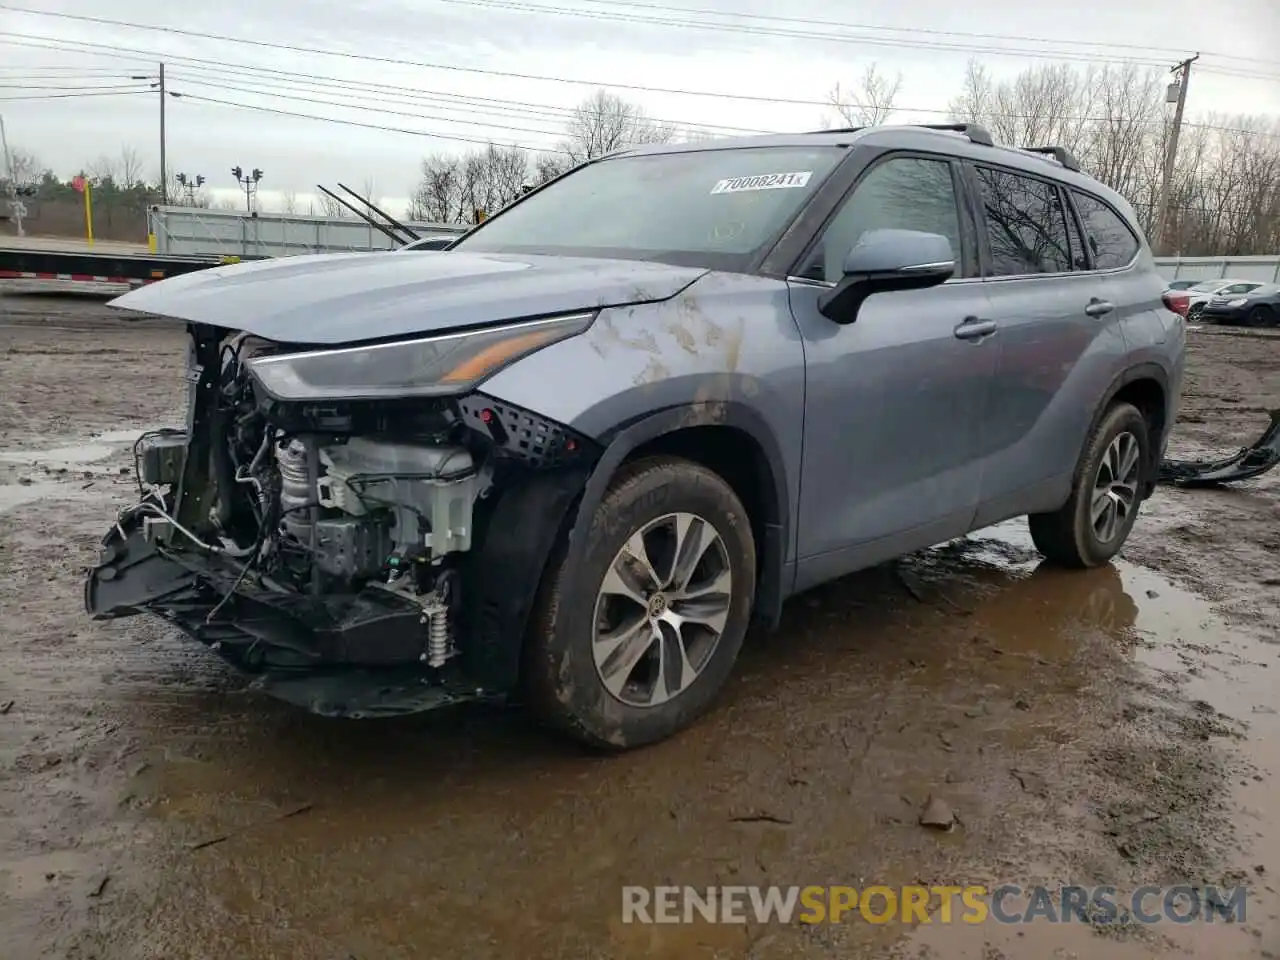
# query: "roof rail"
x,y
975,133
1061,154
839,130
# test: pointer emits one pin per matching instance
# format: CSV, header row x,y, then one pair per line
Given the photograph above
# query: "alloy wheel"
x,y
662,609
1115,487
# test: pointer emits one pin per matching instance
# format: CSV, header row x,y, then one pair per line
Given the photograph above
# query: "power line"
x,y
599,15
290,75
443,100
811,35
567,113
67,96
402,93
353,106
39,86
358,123
845,25
294,48
406,92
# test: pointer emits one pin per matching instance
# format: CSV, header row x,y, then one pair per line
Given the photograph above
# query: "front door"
x,y
894,400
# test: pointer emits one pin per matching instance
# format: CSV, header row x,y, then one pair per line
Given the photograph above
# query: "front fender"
x,y
725,352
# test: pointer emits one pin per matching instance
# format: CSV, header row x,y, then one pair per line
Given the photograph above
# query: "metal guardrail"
x,y
1262,268
198,231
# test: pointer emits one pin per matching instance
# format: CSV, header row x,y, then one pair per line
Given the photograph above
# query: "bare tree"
x,y
227,203
605,122
369,190
1225,194
548,166
130,167
870,101
27,170
453,188
330,207
289,201
102,171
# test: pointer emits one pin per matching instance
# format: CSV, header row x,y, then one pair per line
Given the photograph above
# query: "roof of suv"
x,y
961,140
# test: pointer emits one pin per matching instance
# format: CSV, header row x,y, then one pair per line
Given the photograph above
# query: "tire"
x,y
1194,311
1262,316
1069,537
565,683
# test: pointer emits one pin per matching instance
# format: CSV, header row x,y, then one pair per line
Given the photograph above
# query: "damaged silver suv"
x,y
572,457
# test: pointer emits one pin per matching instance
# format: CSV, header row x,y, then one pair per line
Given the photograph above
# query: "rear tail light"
x,y
1177,302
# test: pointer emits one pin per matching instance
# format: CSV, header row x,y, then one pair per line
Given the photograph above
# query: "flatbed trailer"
x,y
127,269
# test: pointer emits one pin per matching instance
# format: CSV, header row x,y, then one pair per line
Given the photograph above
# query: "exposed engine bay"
x,y
306,540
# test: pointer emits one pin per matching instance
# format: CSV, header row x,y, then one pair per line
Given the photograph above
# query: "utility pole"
x,y
164,175
1171,153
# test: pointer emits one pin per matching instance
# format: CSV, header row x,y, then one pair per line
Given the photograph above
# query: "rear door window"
x,y
1111,240
1026,224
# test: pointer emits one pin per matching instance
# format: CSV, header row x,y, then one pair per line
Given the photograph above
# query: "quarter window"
x,y
903,193
1026,225
1112,242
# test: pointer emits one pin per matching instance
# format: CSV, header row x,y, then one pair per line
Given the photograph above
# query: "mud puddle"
x,y
1184,655
1054,712
75,471
98,447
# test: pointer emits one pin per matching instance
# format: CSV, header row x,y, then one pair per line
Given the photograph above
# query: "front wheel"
x,y
1092,526
636,643
1263,316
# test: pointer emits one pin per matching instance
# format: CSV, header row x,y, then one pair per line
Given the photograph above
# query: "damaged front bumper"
x,y
1245,464
349,656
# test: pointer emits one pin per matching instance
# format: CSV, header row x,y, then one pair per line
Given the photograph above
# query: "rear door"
x,y
1060,340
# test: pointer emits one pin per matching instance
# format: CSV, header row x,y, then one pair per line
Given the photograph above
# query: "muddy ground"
x,y
1112,727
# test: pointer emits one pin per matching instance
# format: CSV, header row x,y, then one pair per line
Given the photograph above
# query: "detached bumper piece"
x,y
1250,462
353,656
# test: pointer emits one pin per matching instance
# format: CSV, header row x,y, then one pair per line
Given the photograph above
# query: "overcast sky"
x,y
600,42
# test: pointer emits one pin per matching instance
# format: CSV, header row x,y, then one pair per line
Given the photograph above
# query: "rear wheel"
x,y
1094,523
636,643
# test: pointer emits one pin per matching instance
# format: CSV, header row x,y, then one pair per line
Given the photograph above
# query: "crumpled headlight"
x,y
428,366
1237,302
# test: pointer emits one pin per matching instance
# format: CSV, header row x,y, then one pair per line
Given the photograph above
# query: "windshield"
x,y
707,208
1206,286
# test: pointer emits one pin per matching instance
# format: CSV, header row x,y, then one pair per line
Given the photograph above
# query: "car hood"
x,y
346,297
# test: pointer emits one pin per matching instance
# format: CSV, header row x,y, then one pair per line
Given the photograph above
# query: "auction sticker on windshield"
x,y
764,181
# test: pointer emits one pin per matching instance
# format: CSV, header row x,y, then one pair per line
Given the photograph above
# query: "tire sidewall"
x,y
1123,418
669,488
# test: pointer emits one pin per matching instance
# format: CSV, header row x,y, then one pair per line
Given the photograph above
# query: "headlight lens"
x,y
1237,302
430,366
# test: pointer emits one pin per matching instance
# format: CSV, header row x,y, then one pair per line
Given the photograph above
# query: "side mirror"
x,y
887,260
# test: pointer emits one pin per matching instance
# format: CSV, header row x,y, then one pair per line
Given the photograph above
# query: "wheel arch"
x,y
1146,386
729,438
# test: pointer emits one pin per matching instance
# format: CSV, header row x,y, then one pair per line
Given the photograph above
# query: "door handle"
x,y
1099,308
974,328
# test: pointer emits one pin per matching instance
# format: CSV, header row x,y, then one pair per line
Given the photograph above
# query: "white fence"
x,y
1266,269
197,231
